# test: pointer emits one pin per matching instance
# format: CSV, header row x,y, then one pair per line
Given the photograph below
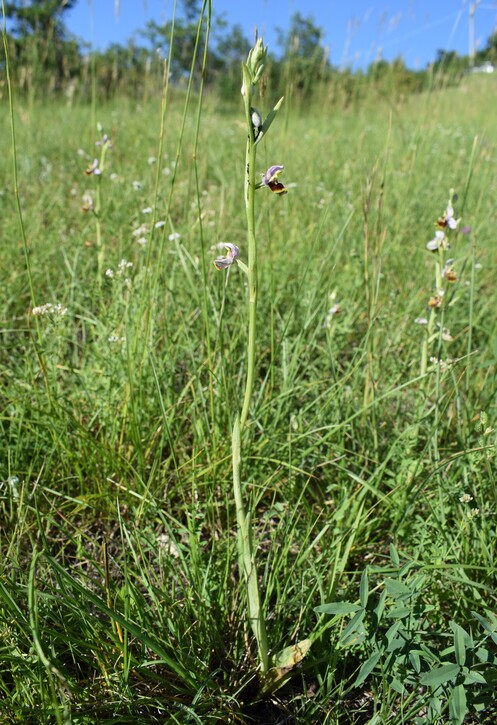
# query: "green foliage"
x,y
45,60
402,647
304,59
38,17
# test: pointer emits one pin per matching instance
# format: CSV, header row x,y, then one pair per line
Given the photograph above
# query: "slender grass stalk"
x,y
150,291
38,341
207,4
54,675
469,177
93,73
471,312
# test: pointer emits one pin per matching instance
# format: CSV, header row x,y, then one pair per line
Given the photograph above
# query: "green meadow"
x,y
368,453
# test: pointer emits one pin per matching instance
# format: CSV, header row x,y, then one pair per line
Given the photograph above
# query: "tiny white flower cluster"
x,y
442,364
334,310
473,512
13,482
122,268
115,339
141,233
56,310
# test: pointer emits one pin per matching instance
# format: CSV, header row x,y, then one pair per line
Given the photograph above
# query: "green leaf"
x,y
354,627
354,638
269,119
398,613
341,608
415,660
394,556
487,626
468,639
378,610
434,709
440,675
364,589
459,646
392,631
457,705
485,655
397,685
367,668
474,678
417,583
397,589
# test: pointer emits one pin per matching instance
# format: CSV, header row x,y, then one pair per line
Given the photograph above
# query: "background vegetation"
x,y
372,482
47,61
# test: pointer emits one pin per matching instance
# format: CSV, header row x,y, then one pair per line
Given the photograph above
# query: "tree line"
x,y
46,59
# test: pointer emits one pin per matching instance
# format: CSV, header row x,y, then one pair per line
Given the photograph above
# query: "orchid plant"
x,y
444,273
274,669
435,331
96,168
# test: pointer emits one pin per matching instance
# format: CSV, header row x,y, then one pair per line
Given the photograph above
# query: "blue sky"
x,y
356,32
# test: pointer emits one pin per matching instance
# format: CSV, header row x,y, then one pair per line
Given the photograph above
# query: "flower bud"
x,y
256,60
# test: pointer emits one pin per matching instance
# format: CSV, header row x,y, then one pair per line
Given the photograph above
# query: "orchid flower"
x,y
270,179
232,252
93,168
439,241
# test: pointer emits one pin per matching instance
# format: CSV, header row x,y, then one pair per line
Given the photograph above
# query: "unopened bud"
x,y
256,60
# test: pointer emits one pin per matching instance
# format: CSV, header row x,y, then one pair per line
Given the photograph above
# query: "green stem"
x,y
98,214
100,250
246,556
247,553
250,156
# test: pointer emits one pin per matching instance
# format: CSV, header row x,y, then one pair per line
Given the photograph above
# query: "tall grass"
x,y
120,596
